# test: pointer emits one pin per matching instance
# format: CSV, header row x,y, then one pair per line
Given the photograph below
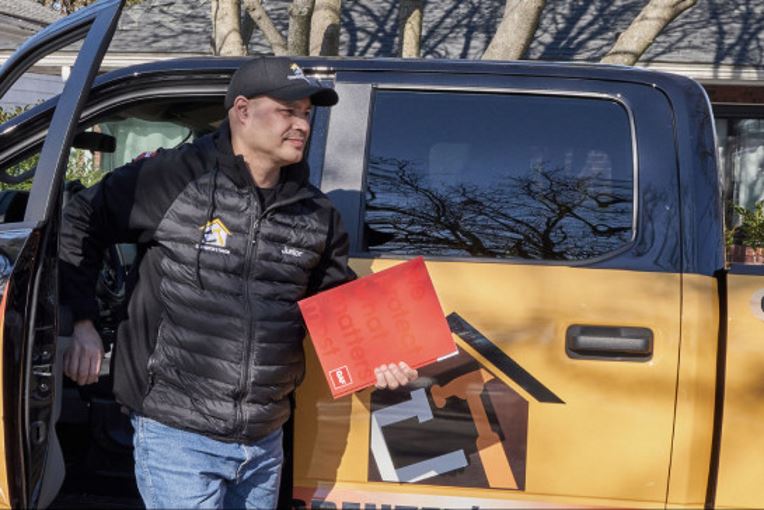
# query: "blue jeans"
x,y
179,469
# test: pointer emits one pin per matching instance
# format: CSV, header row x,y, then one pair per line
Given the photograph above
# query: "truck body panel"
x,y
606,442
691,456
740,466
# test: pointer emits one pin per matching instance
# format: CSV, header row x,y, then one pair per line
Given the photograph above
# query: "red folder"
x,y
386,317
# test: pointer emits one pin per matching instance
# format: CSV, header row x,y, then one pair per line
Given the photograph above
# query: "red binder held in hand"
x,y
386,317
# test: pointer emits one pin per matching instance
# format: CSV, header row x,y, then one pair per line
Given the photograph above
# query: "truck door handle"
x,y
613,343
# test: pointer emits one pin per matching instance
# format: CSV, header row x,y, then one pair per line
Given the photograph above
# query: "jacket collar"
x,y
294,178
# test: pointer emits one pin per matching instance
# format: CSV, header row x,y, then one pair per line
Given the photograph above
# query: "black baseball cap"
x,y
279,78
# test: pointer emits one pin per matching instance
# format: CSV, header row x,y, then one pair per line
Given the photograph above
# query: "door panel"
x,y
696,382
741,469
34,468
605,441
545,209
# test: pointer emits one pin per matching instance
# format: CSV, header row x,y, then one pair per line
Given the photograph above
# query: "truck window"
x,y
508,176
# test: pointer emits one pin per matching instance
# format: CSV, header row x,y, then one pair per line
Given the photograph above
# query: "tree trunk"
x,y
226,28
515,32
410,27
265,23
298,39
325,28
635,40
248,27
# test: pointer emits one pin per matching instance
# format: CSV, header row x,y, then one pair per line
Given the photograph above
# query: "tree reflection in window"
x,y
498,176
545,214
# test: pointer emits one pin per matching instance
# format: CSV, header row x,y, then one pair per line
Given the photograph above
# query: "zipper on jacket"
x,y
251,254
254,228
254,232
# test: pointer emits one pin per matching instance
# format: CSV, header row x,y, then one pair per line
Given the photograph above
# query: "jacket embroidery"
x,y
294,252
215,237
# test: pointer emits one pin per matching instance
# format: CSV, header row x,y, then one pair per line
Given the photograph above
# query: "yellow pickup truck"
x,y
570,218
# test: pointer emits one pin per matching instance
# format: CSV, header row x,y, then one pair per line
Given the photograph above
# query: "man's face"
x,y
276,131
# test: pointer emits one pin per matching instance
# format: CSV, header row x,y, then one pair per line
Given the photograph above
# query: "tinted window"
x,y
498,175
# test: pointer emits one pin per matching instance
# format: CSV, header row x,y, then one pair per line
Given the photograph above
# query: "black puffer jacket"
x,y
213,338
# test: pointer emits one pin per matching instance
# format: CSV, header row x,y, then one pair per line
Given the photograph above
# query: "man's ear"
x,y
240,108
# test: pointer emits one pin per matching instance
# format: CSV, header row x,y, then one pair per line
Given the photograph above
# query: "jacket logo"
x,y
215,236
294,252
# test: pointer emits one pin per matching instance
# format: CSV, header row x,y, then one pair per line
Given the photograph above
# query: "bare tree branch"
x,y
635,40
265,23
515,32
543,214
226,28
410,23
298,39
325,28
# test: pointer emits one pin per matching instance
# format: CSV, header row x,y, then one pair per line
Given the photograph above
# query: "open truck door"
x,y
32,469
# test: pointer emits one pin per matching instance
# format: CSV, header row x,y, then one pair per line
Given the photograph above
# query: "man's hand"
x,y
391,376
82,362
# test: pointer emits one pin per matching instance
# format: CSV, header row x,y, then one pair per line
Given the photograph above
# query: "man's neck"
x,y
265,174
264,177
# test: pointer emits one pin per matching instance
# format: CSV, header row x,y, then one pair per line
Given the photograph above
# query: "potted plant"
x,y
747,239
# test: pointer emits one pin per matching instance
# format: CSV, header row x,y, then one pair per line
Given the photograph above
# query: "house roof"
x,y
715,39
20,19
714,32
164,26
29,10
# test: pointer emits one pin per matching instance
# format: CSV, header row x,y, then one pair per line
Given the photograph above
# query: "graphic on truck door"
x,y
524,208
486,448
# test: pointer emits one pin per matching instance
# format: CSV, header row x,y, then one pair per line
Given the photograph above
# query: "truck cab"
x,y
570,217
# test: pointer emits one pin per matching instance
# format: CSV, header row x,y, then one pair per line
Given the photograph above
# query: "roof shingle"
x,y
20,19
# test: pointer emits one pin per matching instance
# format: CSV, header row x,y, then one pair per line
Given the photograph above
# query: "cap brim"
x,y
319,96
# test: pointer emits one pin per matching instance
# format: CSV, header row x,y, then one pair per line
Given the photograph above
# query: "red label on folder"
x,y
386,317
340,378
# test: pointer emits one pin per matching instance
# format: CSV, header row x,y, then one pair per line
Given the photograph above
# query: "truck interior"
x,y
91,455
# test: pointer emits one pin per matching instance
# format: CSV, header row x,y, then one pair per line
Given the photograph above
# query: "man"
x,y
231,236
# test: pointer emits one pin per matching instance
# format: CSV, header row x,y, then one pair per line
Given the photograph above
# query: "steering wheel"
x,y
110,287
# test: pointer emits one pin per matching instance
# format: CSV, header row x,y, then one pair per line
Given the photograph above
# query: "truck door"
x,y
31,466
545,209
741,469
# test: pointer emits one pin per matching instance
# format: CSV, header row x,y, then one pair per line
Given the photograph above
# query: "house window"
x,y
498,176
741,156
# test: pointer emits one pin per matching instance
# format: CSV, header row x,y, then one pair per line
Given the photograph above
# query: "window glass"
x,y
741,154
16,180
42,81
498,176
95,152
135,136
15,183
35,85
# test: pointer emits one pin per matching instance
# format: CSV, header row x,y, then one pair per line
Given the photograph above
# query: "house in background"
x,y
720,43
